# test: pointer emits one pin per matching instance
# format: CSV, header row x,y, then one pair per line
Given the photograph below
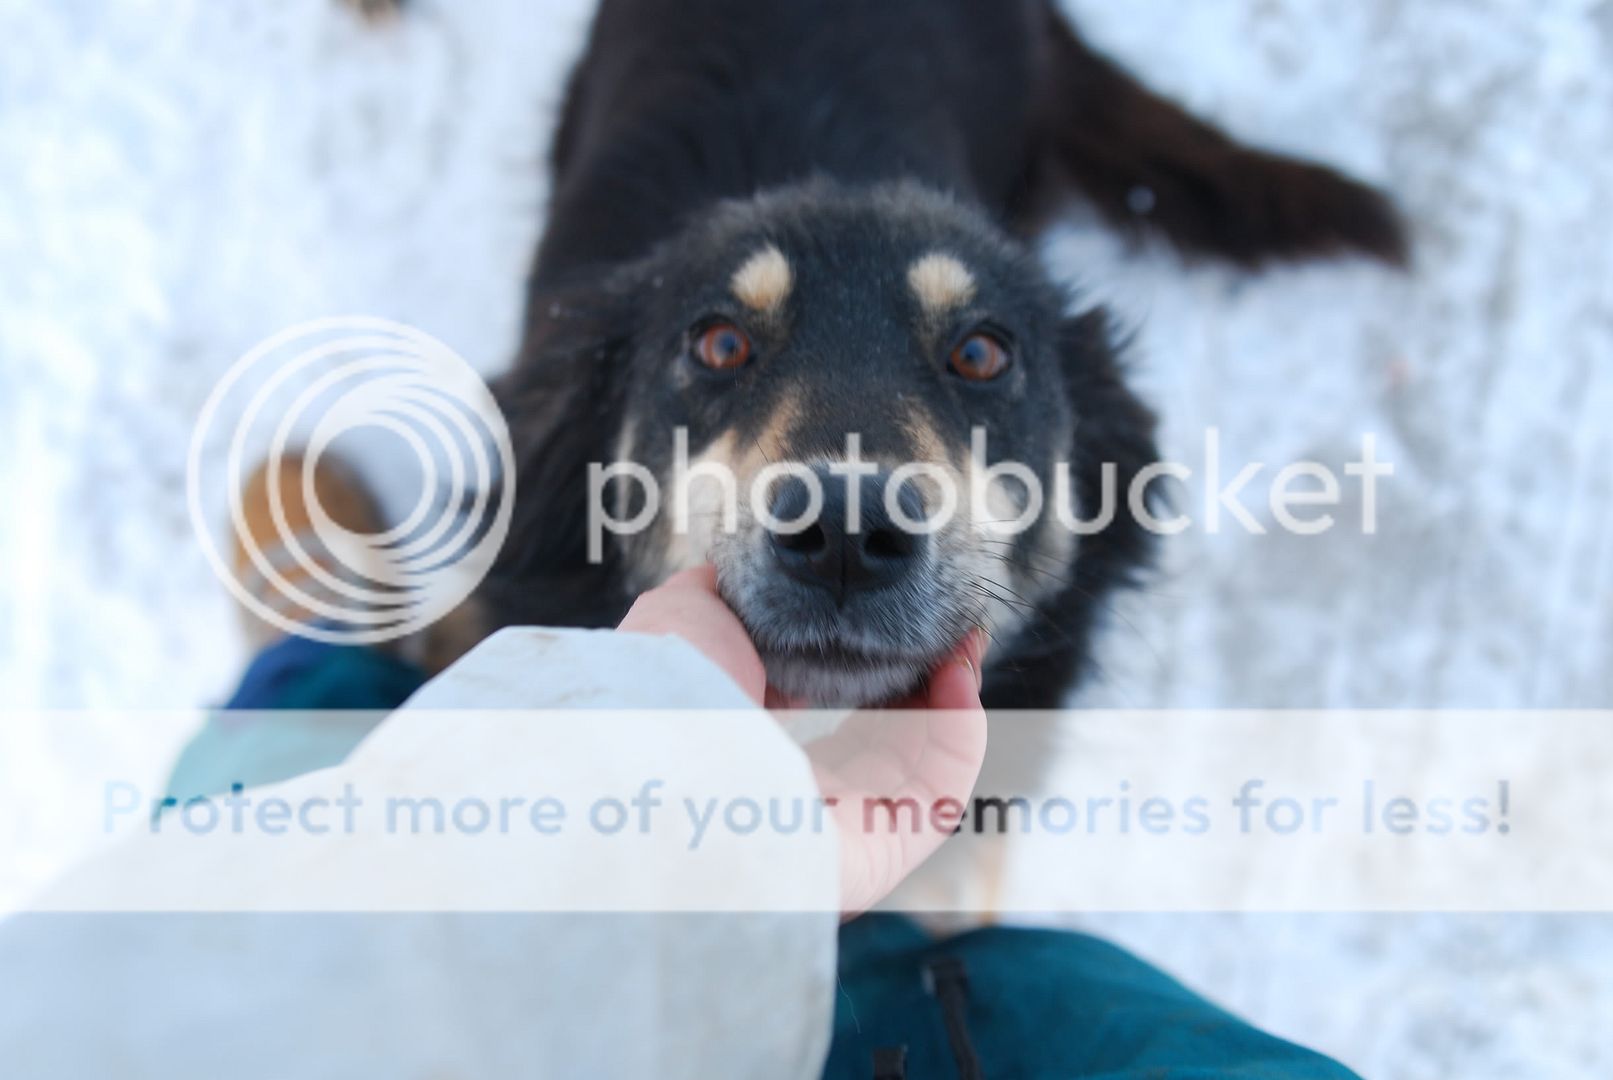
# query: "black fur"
x,y
681,116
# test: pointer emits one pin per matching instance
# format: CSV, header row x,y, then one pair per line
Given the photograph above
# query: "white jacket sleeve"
x,y
586,950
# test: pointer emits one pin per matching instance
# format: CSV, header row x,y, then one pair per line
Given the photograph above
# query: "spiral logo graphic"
x,y
298,392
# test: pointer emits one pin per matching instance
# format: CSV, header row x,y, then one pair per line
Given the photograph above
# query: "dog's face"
x,y
838,362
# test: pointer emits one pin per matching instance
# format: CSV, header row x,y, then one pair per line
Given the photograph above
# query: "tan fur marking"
x,y
919,426
764,282
773,440
941,283
663,550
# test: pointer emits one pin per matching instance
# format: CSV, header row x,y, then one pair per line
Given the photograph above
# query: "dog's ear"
x,y
564,403
1113,429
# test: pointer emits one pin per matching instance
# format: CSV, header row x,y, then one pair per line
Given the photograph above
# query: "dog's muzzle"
x,y
843,591
854,543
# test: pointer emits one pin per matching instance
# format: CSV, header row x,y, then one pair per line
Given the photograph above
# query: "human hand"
x,y
688,606
893,777
924,753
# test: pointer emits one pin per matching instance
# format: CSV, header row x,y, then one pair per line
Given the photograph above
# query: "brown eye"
x,y
722,347
981,357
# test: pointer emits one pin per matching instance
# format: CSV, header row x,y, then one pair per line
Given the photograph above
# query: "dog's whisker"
x,y
1017,564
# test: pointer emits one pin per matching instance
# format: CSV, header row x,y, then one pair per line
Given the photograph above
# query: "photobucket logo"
x,y
1003,498
302,389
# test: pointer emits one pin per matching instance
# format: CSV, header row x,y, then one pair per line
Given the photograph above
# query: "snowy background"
x,y
180,180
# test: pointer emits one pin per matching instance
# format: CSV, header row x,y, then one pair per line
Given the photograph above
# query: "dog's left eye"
x,y
980,357
722,346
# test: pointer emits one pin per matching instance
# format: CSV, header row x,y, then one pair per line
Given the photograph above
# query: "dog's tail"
x,y
1148,165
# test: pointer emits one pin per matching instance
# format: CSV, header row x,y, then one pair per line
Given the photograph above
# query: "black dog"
x,y
776,224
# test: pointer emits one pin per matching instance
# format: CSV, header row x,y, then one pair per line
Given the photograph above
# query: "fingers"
x,y
956,683
956,735
688,606
928,754
778,701
703,577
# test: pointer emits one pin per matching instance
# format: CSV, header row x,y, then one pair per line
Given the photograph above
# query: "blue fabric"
x,y
302,705
297,673
1042,1004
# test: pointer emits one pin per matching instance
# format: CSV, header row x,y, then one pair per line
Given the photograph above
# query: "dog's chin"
x,y
841,680
866,650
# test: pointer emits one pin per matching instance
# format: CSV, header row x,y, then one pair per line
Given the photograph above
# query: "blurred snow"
x,y
185,178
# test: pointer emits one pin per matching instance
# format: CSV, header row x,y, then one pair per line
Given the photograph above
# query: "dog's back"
x,y
675,106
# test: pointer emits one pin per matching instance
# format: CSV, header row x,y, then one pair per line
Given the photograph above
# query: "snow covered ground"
x,y
182,179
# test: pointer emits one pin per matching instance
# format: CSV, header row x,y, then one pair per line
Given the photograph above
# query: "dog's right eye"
x,y
980,358
721,346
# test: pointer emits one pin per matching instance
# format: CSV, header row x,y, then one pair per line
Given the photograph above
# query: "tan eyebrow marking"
x,y
763,283
941,283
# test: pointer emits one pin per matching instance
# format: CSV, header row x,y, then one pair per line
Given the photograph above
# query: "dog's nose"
x,y
852,543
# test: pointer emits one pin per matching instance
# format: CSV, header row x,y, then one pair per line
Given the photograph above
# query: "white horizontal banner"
x,y
601,810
